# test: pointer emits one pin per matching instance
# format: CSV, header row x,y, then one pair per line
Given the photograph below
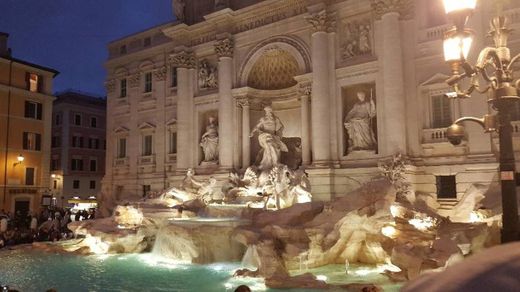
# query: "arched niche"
x,y
293,56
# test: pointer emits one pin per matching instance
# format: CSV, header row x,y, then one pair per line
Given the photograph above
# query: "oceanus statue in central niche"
x,y
270,132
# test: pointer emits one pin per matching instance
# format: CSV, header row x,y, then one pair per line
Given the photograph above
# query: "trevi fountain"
x,y
286,170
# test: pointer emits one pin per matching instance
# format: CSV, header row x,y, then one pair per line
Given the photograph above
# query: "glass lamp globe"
x,y
20,158
457,46
451,6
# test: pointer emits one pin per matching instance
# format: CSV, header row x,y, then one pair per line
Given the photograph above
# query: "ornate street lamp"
x,y
494,66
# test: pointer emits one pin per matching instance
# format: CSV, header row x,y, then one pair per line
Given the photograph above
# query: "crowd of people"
x,y
50,224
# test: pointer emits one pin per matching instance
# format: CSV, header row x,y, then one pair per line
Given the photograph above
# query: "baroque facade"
x,y
353,82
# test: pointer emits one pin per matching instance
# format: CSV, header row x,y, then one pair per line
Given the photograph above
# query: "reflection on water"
x,y
28,270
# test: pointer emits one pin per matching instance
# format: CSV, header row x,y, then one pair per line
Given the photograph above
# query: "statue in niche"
x,y
209,141
358,124
270,133
178,9
207,75
357,39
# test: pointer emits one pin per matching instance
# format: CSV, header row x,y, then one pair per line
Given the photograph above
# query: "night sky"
x,y
71,36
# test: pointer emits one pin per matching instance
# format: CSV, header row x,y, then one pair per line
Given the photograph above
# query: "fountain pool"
x,y
31,270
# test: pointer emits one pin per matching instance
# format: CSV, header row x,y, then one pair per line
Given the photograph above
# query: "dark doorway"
x,y
22,207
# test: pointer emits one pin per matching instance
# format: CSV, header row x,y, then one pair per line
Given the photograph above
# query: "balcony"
x,y
147,160
437,135
172,157
118,162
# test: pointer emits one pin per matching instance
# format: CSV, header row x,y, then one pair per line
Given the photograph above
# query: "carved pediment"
x,y
146,126
172,124
121,130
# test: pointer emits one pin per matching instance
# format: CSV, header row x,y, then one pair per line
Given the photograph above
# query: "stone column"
x,y
224,50
184,61
320,121
246,130
305,90
391,60
134,137
159,89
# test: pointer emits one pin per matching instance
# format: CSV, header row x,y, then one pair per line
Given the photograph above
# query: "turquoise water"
x,y
28,270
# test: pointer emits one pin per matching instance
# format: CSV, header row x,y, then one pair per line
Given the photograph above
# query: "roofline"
x,y
54,71
142,31
4,34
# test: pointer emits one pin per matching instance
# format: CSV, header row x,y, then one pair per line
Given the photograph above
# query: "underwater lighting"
x,y
96,245
321,278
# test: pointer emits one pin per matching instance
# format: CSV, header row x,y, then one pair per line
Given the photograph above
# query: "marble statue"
x,y
209,141
178,9
207,75
357,39
270,132
358,124
190,189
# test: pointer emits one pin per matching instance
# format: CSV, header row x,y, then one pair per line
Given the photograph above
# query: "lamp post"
x,y
494,66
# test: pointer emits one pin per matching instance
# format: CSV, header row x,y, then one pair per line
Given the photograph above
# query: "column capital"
x,y
403,7
160,73
243,102
322,21
305,89
183,59
225,48
134,79
110,85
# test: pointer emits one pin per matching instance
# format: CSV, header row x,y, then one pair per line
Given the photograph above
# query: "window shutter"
x,y
80,142
25,141
38,142
27,80
39,109
40,83
28,110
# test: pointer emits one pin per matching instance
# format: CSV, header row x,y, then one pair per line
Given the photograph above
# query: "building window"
x,y
57,119
75,184
147,145
146,190
33,82
77,119
173,142
56,141
441,111
122,87
93,165
147,42
122,49
77,141
55,164
32,141
92,184
54,184
173,76
446,187
33,110
93,143
93,122
148,82
121,148
76,164
29,176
